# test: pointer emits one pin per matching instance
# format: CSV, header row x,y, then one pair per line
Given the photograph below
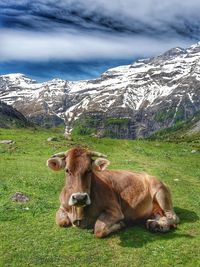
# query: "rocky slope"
x,y
10,117
126,102
188,131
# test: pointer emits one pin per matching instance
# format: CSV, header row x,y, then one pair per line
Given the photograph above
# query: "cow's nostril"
x,y
79,199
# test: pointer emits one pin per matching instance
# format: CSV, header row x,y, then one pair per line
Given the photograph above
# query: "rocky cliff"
x,y
10,117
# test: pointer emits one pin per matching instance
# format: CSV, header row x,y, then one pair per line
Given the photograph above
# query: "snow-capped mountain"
x,y
128,101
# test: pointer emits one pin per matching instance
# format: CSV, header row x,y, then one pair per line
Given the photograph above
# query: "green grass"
x,y
29,236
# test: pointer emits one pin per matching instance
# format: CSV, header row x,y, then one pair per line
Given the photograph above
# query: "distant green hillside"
x,y
183,131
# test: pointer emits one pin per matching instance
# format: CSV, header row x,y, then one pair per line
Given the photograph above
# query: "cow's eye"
x,y
66,170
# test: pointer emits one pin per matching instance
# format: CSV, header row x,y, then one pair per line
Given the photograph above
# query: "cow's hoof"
x,y
155,226
122,225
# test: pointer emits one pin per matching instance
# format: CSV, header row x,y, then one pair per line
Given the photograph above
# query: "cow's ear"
x,y
56,163
100,164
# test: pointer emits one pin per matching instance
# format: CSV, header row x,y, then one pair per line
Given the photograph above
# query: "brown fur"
x,y
117,196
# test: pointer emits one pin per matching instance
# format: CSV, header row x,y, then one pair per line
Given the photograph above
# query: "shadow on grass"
x,y
185,215
136,236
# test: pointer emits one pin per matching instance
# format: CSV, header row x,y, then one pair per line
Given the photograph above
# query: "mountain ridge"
x,y
151,94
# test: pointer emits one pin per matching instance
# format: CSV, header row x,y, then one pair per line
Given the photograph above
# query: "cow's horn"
x,y
97,154
59,155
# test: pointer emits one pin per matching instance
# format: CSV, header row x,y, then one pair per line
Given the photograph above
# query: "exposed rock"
x,y
68,137
26,208
94,135
195,128
194,151
52,139
7,142
19,197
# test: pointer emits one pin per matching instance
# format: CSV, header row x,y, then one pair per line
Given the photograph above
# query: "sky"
x,y
80,39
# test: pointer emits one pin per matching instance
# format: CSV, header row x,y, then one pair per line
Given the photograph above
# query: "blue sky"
x,y
79,39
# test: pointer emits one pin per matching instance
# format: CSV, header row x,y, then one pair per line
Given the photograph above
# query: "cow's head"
x,y
78,164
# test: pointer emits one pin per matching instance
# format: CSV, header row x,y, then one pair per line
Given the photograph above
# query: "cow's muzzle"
x,y
79,199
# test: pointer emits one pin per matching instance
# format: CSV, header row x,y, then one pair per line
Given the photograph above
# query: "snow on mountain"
x,y
150,94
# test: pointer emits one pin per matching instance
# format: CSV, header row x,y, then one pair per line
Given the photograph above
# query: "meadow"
x,y
29,235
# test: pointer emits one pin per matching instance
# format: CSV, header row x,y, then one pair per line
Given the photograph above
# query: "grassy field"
x,y
29,236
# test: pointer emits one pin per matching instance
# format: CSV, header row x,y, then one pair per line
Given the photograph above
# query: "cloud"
x,y
83,30
124,15
24,45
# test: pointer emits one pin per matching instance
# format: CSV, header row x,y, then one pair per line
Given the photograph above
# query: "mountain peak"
x,y
14,75
174,51
17,78
127,101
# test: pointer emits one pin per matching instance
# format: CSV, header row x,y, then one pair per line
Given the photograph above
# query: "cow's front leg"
x,y
107,224
62,218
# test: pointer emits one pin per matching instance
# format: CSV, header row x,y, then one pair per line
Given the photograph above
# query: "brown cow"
x,y
108,199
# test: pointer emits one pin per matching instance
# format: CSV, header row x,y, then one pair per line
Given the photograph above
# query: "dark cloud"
x,y
138,17
85,30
